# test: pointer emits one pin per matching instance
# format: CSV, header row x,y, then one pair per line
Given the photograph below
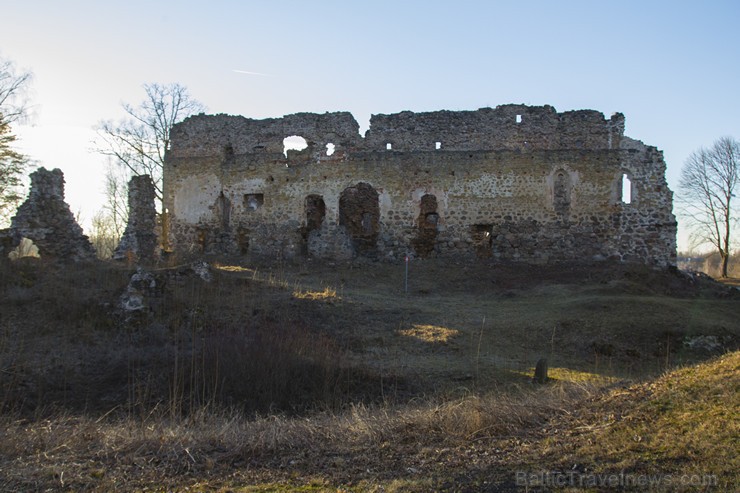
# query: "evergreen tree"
x,y
12,170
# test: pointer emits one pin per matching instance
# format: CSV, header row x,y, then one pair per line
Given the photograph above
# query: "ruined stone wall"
x,y
45,218
139,240
514,182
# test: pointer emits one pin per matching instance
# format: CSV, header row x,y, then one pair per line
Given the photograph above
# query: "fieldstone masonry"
x,y
47,220
139,241
513,183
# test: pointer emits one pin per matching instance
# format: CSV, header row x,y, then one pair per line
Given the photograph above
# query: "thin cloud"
x,y
251,73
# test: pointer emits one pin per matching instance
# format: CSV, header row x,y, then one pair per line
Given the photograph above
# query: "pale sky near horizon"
x,y
671,67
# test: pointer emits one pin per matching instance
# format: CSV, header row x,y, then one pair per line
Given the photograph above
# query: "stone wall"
x,y
515,182
47,220
139,241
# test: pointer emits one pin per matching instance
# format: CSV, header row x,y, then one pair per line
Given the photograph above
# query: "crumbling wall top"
x,y
209,134
506,127
513,127
46,185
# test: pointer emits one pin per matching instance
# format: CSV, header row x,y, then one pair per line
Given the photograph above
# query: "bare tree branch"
x,y
13,92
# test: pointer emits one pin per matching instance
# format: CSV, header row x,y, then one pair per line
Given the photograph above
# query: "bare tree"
x,y
116,199
139,141
13,91
708,182
104,236
13,165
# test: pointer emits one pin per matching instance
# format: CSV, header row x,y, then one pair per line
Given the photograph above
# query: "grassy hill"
x,y
677,432
318,377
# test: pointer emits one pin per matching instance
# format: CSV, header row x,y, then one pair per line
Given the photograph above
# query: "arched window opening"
x,y
315,212
359,213
427,222
25,248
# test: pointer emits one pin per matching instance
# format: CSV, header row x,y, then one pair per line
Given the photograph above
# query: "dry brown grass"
x,y
429,333
267,379
327,294
228,449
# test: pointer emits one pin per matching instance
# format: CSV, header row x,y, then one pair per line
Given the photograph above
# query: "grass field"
x,y
323,377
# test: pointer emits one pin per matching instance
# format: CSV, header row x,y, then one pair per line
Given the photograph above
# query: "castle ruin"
x,y
45,219
514,182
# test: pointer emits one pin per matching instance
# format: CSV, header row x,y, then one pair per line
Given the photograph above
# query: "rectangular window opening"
x,y
253,201
626,190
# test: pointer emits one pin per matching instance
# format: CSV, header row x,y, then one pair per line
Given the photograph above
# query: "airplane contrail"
x,y
251,73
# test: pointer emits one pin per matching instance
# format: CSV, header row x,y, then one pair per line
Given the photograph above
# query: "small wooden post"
x,y
540,371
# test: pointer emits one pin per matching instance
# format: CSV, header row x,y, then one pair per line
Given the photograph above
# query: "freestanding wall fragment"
x,y
47,220
139,241
514,183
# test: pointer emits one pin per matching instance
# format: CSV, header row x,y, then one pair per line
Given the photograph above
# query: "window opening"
x,y
438,145
25,248
223,210
253,201
519,118
315,212
329,149
626,190
427,221
242,240
294,143
561,193
359,213
482,235
388,146
228,153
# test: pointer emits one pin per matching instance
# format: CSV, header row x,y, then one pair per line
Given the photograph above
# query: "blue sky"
x,y
671,67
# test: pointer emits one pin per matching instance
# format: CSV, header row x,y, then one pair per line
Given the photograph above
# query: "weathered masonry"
x,y
45,219
514,182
